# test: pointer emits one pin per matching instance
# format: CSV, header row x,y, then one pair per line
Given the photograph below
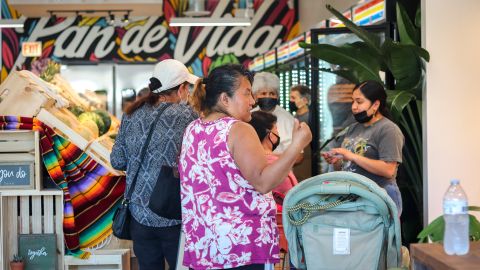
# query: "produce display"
x,y
62,101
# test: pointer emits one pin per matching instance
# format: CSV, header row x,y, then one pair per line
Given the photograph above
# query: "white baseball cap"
x,y
172,73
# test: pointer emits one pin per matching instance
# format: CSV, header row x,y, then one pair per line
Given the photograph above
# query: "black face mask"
x,y
274,145
363,117
292,106
267,104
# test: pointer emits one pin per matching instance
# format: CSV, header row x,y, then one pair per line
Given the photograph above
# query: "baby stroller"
x,y
341,220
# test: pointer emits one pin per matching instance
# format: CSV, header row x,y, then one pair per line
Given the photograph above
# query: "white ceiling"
x,y
39,8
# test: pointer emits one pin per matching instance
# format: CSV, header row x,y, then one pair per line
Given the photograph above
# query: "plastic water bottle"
x,y
455,207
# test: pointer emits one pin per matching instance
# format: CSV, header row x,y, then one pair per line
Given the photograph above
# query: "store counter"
x,y
432,256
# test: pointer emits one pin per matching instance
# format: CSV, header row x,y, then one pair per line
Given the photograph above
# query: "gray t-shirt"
x,y
381,141
303,117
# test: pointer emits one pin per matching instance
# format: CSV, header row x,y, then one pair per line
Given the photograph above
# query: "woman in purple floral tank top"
x,y
228,211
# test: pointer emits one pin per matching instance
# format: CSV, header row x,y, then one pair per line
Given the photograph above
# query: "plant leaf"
x,y
404,63
407,31
473,208
371,39
421,52
344,73
434,231
398,100
351,57
418,18
474,228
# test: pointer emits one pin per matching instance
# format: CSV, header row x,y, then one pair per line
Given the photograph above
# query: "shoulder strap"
x,y
144,150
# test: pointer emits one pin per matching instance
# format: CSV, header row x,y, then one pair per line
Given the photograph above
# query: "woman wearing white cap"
x,y
155,238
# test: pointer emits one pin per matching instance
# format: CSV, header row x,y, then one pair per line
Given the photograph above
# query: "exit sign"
x,y
31,49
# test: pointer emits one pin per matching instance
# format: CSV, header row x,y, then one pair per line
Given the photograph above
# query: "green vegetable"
x,y
105,117
77,110
95,118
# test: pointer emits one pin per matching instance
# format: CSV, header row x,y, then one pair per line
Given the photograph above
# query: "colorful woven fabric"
x,y
91,193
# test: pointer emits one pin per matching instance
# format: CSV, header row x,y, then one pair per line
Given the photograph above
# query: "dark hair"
x,y
223,79
374,91
150,98
304,91
263,123
143,92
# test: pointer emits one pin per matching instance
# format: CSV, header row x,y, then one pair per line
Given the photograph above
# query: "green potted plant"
x,y
17,263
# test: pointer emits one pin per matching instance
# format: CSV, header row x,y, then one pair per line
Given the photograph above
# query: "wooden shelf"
x,y
48,192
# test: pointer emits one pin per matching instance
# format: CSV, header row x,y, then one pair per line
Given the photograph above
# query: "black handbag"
x,y
165,198
122,216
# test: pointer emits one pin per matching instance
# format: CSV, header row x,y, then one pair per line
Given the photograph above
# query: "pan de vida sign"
x,y
151,38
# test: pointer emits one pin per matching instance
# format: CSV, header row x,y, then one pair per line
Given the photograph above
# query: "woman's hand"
x,y
330,158
301,135
337,154
342,153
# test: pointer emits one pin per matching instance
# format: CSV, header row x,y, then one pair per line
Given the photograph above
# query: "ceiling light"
x,y
210,22
79,16
12,23
112,18
125,17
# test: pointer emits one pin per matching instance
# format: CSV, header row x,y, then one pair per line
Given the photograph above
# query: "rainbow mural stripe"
x,y
257,64
270,58
369,13
334,22
294,49
282,53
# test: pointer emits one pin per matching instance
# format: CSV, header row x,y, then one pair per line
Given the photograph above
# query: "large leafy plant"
x,y
405,61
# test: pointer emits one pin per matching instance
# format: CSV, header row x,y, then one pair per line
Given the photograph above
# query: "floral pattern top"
x,y
227,223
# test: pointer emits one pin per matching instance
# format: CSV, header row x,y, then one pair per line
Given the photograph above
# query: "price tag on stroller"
x,y
341,241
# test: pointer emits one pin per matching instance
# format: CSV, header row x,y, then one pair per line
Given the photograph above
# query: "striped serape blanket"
x,y
91,193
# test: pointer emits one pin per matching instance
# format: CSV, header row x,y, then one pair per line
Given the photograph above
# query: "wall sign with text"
x,y
39,251
151,39
16,175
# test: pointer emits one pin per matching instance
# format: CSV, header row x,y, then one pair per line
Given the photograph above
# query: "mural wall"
x,y
150,39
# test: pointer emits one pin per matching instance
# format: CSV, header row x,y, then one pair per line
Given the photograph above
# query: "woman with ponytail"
x,y
155,238
373,146
228,211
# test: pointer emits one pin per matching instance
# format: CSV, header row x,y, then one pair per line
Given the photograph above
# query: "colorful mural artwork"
x,y
151,39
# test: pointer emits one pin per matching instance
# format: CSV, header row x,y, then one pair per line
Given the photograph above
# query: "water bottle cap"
x,y
455,182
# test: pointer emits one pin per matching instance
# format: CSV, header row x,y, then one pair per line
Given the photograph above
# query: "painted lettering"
x,y
134,42
5,174
20,173
36,253
238,40
69,44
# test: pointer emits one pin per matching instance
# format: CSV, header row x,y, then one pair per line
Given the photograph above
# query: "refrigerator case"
x,y
292,68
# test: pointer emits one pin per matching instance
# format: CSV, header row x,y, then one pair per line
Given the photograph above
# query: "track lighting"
x,y
79,16
125,17
112,18
110,12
